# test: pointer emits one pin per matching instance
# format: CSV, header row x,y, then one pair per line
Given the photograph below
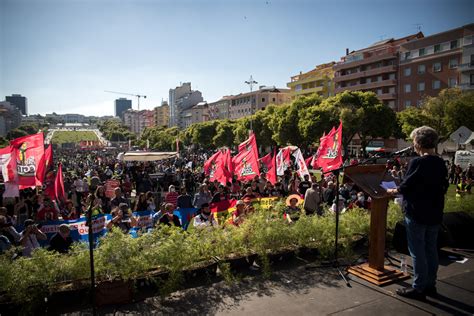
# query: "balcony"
x,y
388,54
366,73
365,86
387,96
466,67
467,86
307,91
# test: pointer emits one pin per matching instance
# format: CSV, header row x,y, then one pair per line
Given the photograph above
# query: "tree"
x,y
377,121
15,133
203,134
460,112
224,134
409,119
314,121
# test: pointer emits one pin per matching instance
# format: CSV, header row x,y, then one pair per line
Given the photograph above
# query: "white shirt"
x,y
202,220
30,244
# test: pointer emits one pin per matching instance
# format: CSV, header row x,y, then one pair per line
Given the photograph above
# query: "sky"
x,y
63,54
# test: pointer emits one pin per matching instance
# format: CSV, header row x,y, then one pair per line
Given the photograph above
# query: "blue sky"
x,y
62,55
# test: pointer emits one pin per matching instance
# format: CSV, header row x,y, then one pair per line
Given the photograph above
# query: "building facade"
x,y
320,80
220,110
436,62
137,121
246,104
122,105
162,115
19,101
10,117
182,98
374,68
197,114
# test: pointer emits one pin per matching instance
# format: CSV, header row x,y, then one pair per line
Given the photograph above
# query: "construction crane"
x,y
131,94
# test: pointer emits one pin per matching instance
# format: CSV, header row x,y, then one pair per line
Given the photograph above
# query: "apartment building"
x,y
436,62
245,104
220,109
374,68
162,115
319,81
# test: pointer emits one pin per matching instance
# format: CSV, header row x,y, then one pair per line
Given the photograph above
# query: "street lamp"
x,y
251,82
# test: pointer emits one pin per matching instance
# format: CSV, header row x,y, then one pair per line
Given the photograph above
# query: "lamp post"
x,y
251,82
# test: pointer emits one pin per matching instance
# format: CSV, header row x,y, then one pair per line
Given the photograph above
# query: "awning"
x,y
377,149
146,156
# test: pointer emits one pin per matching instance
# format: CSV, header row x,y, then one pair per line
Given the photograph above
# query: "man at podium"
x,y
423,189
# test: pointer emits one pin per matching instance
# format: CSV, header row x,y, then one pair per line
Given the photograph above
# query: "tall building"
x,y
197,114
220,109
436,62
180,99
162,114
137,121
19,101
246,104
319,81
10,117
121,105
374,68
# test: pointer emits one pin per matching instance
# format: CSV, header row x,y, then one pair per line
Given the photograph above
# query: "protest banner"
x,y
110,186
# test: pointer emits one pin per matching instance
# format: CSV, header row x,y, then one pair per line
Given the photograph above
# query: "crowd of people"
x,y
162,187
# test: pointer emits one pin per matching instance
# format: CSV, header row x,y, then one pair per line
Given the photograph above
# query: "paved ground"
x,y
294,289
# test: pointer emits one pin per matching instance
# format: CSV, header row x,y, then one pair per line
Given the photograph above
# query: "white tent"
x,y
146,156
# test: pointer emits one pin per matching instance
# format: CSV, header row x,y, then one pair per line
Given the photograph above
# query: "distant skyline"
x,y
62,55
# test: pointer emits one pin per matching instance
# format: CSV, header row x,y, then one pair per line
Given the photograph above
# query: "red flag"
x,y
49,177
28,152
246,161
330,150
216,167
59,185
8,164
269,166
301,167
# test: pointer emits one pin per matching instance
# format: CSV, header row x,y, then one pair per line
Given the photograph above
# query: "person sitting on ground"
x,y
122,218
250,194
69,212
184,200
168,217
118,198
48,210
205,218
292,212
463,187
220,195
239,214
61,241
29,237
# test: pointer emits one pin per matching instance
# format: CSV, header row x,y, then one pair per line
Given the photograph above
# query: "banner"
x,y
28,152
222,210
8,164
185,215
246,161
110,186
330,150
301,167
283,160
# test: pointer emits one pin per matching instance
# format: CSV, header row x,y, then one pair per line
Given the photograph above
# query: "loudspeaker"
x,y
456,231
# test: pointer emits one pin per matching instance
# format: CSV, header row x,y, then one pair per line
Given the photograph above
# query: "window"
x,y
421,52
437,48
379,91
263,99
407,88
436,67
471,80
421,69
391,104
273,100
419,103
391,76
391,90
453,44
436,84
407,71
452,82
472,61
421,86
407,103
407,55
453,63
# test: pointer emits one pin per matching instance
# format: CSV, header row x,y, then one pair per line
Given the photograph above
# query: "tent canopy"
x,y
146,156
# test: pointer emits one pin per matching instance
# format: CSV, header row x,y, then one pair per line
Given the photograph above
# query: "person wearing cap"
x,y
312,200
29,237
292,212
205,218
239,214
61,241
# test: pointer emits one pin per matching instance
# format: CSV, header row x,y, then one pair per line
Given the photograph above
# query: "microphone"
x,y
402,151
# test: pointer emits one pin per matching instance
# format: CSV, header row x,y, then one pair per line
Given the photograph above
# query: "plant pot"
x,y
114,292
239,263
279,257
308,253
201,273
152,279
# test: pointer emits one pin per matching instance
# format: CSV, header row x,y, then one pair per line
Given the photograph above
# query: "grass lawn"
x,y
73,137
456,204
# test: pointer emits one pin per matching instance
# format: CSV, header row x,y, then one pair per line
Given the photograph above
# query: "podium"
x,y
368,178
